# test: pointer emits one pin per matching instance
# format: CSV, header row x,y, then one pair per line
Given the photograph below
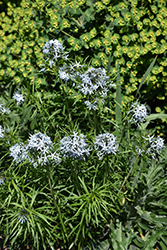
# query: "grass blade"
x,y
109,64
118,103
146,74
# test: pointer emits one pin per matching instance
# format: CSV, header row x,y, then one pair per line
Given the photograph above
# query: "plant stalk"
x,y
123,183
95,122
57,207
68,109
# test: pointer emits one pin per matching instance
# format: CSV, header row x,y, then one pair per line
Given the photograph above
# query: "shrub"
x,y
74,174
132,32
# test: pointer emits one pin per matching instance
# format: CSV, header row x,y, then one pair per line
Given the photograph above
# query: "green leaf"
x,y
163,246
164,240
146,74
151,117
161,219
156,116
151,241
109,64
26,115
118,102
103,245
139,242
132,247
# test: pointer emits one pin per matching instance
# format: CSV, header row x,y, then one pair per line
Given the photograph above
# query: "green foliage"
x,y
118,201
133,32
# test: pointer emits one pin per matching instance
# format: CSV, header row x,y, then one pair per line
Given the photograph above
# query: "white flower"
x,y
39,142
92,105
74,146
93,80
18,97
38,151
139,151
105,144
2,181
20,153
1,132
48,158
3,110
53,50
155,145
54,158
23,216
70,71
94,85
63,75
138,113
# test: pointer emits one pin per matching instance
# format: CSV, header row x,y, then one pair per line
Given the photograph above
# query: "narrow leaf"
x,y
156,116
149,244
118,102
109,64
146,74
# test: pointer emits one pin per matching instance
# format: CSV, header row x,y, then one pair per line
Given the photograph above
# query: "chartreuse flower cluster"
x,y
139,35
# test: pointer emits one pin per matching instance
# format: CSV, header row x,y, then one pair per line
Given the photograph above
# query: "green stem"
x,y
133,164
95,122
122,132
106,170
57,207
68,109
75,173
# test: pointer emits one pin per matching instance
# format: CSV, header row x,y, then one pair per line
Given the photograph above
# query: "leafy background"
x,y
131,34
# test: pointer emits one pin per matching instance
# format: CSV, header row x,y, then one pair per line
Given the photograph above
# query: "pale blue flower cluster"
x,y
18,97
74,146
139,151
39,142
3,109
2,181
53,50
22,216
155,145
138,113
38,151
94,85
93,104
1,132
105,144
71,71
20,153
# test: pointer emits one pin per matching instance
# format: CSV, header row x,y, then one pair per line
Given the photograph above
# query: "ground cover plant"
x,y
132,32
73,175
